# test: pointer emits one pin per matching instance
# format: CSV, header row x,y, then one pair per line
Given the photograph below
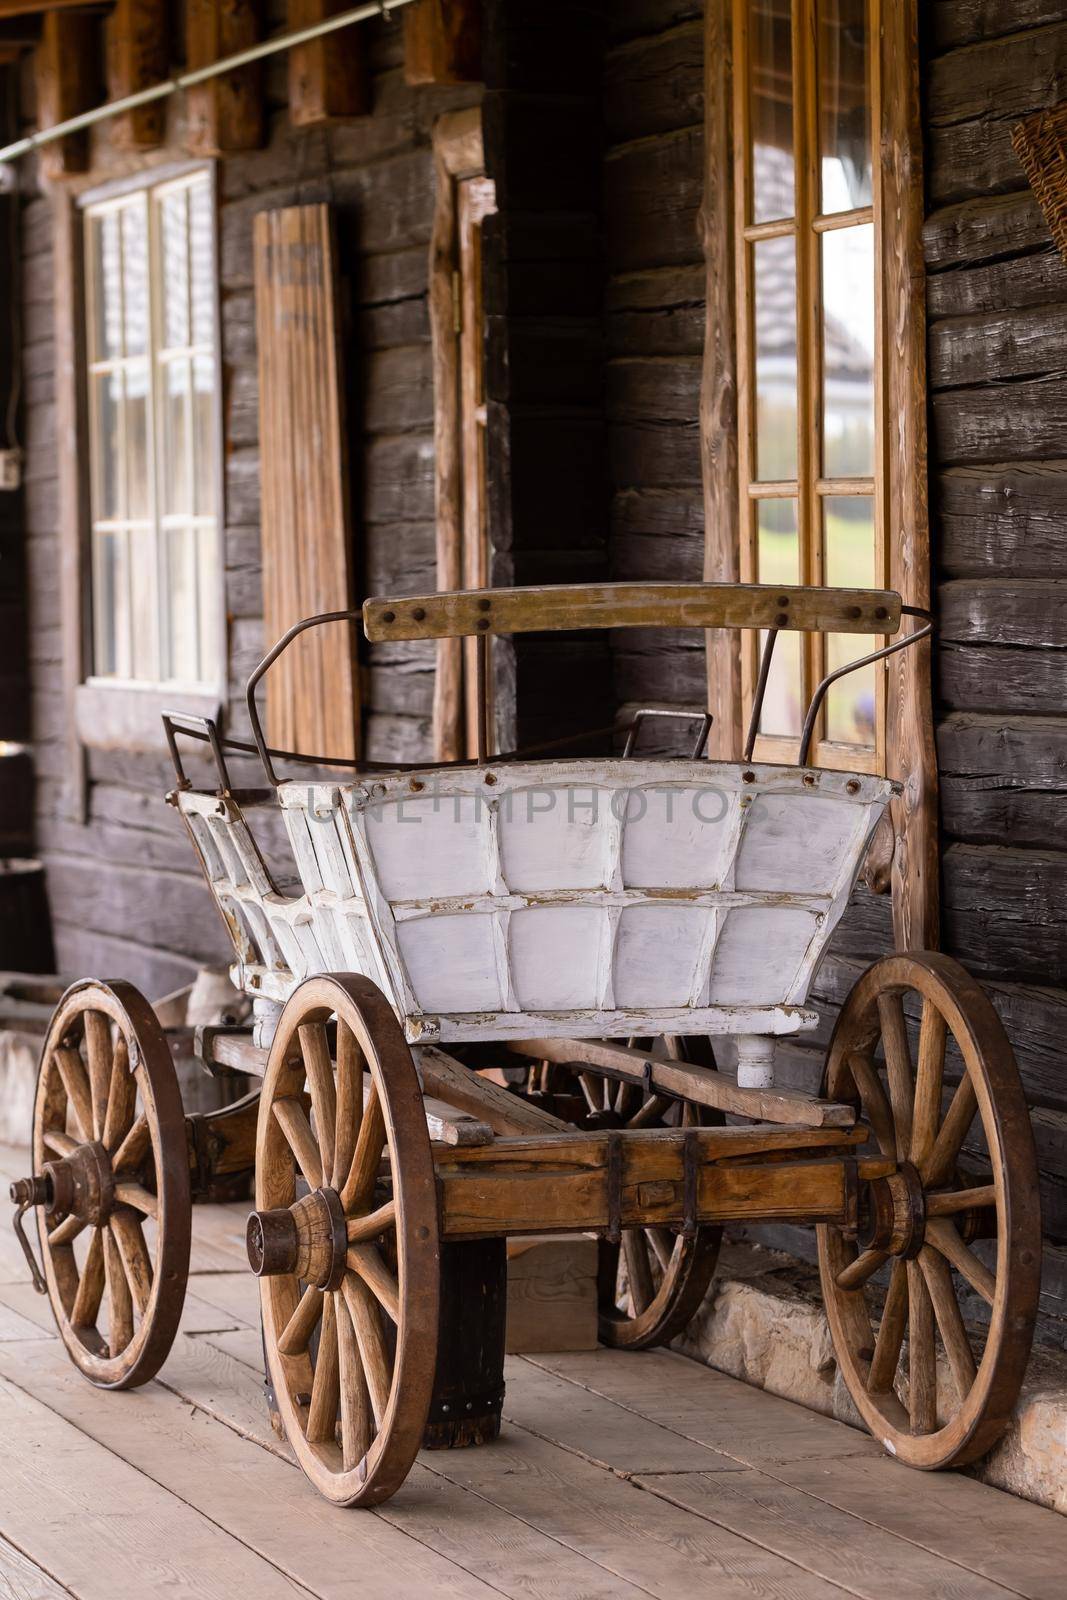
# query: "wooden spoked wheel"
x,y
922,1381
111,1167
355,1258
651,1283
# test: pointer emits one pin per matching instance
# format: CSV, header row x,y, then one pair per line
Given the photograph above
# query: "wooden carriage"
x,y
602,920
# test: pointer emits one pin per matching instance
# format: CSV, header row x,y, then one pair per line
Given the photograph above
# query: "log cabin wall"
x,y
125,893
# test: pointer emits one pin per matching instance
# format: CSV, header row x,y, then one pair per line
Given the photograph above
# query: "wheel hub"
x,y
893,1214
308,1238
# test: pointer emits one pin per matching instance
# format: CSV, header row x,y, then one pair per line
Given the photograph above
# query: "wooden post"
x,y
718,389
443,41
68,264
137,57
66,67
327,78
226,113
468,1388
910,750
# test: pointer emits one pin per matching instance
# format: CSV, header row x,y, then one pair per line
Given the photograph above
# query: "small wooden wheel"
x,y
923,1220
363,1239
649,1285
111,1169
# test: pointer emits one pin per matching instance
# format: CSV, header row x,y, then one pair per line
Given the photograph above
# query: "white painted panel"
x,y
451,963
656,954
554,957
797,842
758,954
423,846
556,836
677,838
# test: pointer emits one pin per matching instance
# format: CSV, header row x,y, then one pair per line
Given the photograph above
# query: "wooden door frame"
x,y
910,749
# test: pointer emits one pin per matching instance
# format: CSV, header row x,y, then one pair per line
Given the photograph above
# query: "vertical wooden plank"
x,y
910,749
313,693
136,38
328,78
718,389
443,41
477,200
72,469
225,113
66,68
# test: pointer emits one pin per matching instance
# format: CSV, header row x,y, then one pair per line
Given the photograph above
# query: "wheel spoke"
x,y
121,1097
98,1051
956,1200
374,1223
359,1185
662,1241
638,1271
137,1196
325,1387
131,1153
66,1231
890,1332
60,1143
653,1108
76,1083
350,1066
90,1284
938,1166
856,1274
922,1363
292,1120
135,1259
947,1311
119,1300
357,1423
364,1259
363,1309
315,1049
898,1067
928,1079
293,1339
875,1105
593,1089
943,1236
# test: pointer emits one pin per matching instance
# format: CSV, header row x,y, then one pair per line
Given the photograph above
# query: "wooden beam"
x,y
68,267
443,41
328,78
66,65
507,1114
718,387
136,33
34,8
226,113
911,756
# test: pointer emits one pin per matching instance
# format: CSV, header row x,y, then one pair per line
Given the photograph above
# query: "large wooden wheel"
x,y
650,1284
349,1270
923,1381
111,1180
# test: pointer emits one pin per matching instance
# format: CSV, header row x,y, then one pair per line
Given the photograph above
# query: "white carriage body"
x,y
545,899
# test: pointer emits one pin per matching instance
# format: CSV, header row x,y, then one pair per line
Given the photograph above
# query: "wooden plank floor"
x,y
618,1476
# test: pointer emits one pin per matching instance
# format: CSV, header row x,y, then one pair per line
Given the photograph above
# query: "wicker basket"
x,y
1040,142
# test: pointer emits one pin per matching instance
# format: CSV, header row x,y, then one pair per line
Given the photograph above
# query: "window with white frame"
x,y
152,346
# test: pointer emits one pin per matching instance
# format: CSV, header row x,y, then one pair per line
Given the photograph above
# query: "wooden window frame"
x,y
456,324
909,859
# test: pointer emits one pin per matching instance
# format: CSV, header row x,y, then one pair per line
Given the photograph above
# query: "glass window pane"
x,y
181,605
778,561
106,430
201,257
204,435
174,376
770,55
135,276
207,547
138,495
844,105
775,286
110,611
105,333
848,352
144,663
174,242
849,553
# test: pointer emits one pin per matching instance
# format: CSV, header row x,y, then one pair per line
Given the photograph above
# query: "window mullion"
x,y
809,430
